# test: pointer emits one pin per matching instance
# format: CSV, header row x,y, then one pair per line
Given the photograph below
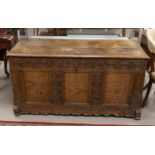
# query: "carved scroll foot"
x,y
16,111
137,115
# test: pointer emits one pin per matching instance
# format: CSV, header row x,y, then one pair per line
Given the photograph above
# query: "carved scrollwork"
x,y
138,65
57,87
96,88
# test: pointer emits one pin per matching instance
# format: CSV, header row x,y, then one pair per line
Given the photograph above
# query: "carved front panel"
x,y
76,87
36,86
116,88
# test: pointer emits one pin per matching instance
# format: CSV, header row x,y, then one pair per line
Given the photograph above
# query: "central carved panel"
x,y
76,87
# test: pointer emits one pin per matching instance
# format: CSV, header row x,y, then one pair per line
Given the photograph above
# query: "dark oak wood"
x,y
78,77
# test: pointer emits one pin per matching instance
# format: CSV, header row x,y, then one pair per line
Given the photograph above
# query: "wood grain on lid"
x,y
78,48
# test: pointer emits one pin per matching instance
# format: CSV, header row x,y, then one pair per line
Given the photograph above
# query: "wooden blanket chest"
x,y
78,77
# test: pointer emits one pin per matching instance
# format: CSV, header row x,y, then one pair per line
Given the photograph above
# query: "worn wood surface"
x,y
78,77
78,48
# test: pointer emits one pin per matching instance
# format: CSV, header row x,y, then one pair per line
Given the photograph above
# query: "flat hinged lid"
x,y
78,48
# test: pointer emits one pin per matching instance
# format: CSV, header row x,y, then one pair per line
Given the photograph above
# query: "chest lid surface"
x,y
57,48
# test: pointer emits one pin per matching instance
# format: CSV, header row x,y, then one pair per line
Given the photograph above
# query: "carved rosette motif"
x,y
96,88
57,87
